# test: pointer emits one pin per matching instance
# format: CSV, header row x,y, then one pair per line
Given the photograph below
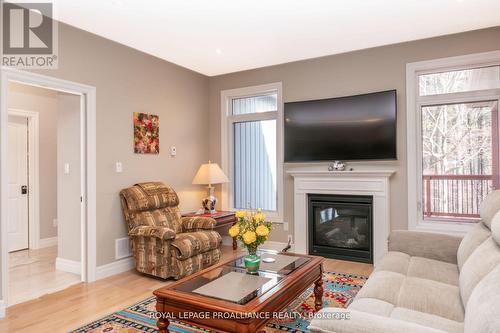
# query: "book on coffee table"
x,y
233,287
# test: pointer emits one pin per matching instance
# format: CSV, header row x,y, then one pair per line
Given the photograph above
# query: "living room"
x,y
357,142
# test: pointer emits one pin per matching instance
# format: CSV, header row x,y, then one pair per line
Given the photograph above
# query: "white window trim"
x,y
413,128
227,143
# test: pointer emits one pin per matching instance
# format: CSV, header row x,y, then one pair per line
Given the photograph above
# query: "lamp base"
x,y
210,201
209,204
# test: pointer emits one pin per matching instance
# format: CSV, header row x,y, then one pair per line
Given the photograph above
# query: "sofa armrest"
x,y
163,233
193,223
425,244
337,320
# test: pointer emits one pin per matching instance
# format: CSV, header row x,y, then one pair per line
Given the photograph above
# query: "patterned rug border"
x,y
122,318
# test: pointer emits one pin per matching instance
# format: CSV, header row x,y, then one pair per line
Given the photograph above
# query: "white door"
x,y
17,170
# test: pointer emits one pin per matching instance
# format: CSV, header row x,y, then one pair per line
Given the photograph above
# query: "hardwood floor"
x,y
85,302
32,273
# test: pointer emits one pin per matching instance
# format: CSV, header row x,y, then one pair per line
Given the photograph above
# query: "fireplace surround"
x,y
366,182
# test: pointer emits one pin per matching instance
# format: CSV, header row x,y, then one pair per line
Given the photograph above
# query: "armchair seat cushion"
x,y
189,244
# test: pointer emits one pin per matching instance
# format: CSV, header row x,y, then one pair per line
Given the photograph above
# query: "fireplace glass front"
x,y
340,226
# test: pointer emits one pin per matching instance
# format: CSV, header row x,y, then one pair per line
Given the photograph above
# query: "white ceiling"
x,y
215,36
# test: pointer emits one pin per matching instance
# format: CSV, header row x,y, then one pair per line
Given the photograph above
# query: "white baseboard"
x,y
46,242
69,266
116,267
3,307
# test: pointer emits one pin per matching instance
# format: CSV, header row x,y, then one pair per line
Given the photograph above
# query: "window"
x,y
453,140
459,158
251,148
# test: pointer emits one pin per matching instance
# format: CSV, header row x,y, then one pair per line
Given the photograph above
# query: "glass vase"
x,y
252,261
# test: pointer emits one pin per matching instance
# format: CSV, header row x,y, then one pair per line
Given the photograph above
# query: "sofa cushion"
x,y
426,319
431,297
482,261
189,244
489,207
338,320
483,309
471,241
495,228
394,261
372,305
433,270
382,285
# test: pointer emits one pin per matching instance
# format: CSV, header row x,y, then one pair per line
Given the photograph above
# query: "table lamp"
x,y
210,174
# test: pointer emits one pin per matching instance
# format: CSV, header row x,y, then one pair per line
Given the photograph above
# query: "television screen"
x,y
345,128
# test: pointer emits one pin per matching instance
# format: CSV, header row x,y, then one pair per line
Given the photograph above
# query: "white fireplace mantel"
x,y
374,183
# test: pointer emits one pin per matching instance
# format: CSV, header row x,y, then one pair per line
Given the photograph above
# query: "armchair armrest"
x,y
337,320
425,244
163,233
193,223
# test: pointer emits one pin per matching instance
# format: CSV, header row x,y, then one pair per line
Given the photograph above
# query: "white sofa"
x,y
429,283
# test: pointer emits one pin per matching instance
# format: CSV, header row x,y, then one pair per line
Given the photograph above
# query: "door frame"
x,y
88,167
33,174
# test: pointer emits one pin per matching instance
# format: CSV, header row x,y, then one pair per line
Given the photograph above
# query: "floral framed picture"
x,y
146,133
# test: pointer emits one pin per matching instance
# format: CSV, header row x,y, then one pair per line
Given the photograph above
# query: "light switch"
x,y
118,167
66,168
173,150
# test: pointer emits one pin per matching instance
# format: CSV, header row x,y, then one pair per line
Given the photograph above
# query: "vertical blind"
x,y
255,155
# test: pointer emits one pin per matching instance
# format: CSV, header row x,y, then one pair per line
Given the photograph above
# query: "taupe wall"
x,y
351,73
68,184
128,81
44,102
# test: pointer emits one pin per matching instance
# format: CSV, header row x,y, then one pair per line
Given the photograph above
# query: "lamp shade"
x,y
210,173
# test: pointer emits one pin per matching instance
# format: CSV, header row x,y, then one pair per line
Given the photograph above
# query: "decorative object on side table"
x,y
222,219
252,230
210,174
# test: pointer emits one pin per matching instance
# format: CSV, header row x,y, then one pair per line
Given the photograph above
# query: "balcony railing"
x,y
455,197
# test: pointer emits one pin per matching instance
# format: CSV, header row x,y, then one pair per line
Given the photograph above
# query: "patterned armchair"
x,y
165,244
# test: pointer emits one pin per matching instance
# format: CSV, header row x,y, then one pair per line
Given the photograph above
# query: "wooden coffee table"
x,y
181,301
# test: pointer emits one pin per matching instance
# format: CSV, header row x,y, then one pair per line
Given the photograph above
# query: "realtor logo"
x,y
29,35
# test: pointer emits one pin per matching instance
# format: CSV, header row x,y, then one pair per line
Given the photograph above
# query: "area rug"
x,y
339,291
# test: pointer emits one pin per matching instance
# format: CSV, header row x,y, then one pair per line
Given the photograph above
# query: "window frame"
x,y
227,144
414,131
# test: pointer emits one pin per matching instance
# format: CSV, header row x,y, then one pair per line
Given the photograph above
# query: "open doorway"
x,y
87,206
44,173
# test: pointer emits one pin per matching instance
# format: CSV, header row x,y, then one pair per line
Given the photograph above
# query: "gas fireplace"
x,y
341,226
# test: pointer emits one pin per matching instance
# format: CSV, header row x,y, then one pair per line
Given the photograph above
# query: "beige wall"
x,y
128,81
68,184
44,102
352,73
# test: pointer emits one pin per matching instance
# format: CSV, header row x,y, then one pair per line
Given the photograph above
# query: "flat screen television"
x,y
361,127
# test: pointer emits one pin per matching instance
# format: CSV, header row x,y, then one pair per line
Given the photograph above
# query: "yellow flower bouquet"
x,y
252,230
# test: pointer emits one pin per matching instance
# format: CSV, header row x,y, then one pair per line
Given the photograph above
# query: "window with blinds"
x,y
254,158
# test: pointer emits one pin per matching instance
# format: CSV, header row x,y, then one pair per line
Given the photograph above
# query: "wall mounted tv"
x,y
361,127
